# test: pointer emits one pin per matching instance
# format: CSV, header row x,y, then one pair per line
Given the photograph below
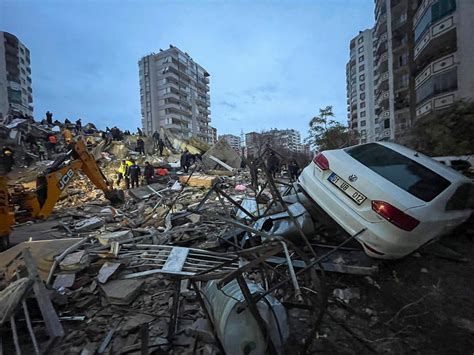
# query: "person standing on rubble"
x,y
78,124
156,139
161,146
41,150
148,173
121,172
133,173
185,160
272,164
7,159
141,146
49,118
293,170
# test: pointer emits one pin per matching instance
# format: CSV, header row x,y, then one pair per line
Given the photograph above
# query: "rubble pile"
x,y
216,260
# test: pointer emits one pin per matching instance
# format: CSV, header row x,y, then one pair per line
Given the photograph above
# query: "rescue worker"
x,y
185,160
161,146
272,164
293,170
49,118
126,164
7,159
41,150
148,173
140,146
133,173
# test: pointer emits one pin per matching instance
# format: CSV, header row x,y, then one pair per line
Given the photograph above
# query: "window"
x,y
386,123
361,67
362,114
361,49
362,96
361,77
362,87
438,10
446,81
362,104
362,123
361,58
360,40
400,170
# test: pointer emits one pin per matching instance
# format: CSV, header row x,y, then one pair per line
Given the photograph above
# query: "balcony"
x,y
382,98
438,102
436,67
431,47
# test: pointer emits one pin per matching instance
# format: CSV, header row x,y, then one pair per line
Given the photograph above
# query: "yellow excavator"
x,y
22,204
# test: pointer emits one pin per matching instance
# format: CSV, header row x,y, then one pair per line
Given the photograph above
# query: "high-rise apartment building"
x,y
16,93
393,61
443,54
360,87
234,141
174,94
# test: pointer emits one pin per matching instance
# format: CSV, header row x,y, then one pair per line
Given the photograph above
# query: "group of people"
x,y
130,172
273,166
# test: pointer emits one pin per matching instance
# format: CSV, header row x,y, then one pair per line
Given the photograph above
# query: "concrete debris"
x,y
89,224
108,238
106,271
121,292
215,260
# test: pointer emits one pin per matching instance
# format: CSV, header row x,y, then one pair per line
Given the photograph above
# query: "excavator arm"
x,y
40,203
51,185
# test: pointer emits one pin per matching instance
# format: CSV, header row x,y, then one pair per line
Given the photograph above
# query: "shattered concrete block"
x,y
106,239
64,280
89,224
121,292
134,321
75,261
107,270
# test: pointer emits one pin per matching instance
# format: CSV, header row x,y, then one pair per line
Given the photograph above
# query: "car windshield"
x,y
400,170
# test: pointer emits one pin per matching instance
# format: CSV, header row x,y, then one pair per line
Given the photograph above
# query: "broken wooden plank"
x,y
11,297
198,180
51,320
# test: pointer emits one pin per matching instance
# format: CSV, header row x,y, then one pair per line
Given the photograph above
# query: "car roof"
x,y
448,173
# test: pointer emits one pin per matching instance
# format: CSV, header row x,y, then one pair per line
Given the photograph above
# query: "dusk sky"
x,y
273,64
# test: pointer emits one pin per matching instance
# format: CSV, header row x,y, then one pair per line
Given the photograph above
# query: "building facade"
x,y
360,87
234,141
393,62
16,93
285,140
443,54
213,135
174,94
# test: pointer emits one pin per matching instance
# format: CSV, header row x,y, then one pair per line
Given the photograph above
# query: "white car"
x,y
402,198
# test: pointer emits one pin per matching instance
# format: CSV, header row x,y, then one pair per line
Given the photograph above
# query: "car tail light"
x,y
394,215
321,161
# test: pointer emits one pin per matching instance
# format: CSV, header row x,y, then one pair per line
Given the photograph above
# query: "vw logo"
x,y
353,178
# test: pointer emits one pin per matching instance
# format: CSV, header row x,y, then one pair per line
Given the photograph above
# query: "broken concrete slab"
x,y
89,224
43,252
75,261
121,292
225,153
106,271
64,280
144,192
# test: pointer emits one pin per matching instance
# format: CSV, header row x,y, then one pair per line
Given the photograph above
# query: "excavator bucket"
x,y
115,196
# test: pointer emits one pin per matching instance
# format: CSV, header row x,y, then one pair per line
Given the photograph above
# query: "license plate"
x,y
355,195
